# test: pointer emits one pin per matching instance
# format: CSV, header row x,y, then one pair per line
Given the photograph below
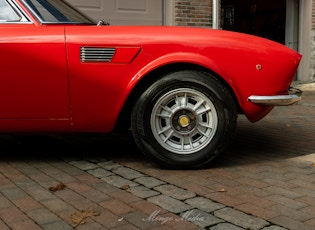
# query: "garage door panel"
x,y
123,12
131,5
84,4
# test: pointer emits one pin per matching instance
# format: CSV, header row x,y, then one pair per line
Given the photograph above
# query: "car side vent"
x,y
97,54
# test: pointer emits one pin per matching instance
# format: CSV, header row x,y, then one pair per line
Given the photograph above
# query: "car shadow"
x,y
21,147
267,140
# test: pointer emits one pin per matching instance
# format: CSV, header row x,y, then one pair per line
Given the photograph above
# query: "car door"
x,y
33,80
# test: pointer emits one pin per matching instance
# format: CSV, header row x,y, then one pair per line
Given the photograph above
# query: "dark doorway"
x,y
265,18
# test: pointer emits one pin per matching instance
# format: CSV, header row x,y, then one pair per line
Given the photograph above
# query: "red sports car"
x,y
178,89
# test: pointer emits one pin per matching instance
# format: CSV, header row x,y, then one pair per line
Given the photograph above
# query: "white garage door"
x,y
123,12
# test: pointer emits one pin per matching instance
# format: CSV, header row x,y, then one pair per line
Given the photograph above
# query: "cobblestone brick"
x,y
175,192
293,213
127,173
140,220
56,205
255,210
290,223
225,226
273,227
12,214
204,204
241,219
283,192
287,202
100,172
41,194
21,225
169,203
60,225
149,182
116,206
201,218
119,181
42,216
26,204
4,202
109,165
143,192
84,165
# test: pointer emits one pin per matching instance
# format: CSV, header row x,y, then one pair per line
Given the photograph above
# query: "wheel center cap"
x,y
183,121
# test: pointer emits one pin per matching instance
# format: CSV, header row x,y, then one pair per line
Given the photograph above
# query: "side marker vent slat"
x,y
97,54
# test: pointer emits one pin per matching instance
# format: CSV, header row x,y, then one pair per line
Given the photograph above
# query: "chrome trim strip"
x,y
292,98
24,17
32,11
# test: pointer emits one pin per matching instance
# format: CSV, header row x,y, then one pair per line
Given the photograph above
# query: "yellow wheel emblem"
x,y
184,121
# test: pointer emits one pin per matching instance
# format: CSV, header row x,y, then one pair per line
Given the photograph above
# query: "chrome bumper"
x,y
292,98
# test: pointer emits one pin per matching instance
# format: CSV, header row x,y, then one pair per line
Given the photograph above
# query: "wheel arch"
x,y
123,121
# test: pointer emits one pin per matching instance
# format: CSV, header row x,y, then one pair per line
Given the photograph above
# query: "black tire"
x,y
184,120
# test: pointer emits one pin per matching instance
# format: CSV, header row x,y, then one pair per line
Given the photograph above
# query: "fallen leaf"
x,y
222,190
60,186
80,217
121,219
125,187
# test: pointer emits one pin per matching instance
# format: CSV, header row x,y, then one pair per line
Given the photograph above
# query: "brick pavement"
x,y
265,181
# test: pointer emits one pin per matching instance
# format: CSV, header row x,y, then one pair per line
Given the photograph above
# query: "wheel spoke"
x,y
199,103
206,125
203,133
190,141
164,115
164,130
185,100
205,110
169,136
165,108
182,143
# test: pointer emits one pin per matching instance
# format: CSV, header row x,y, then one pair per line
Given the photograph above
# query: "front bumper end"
x,y
292,98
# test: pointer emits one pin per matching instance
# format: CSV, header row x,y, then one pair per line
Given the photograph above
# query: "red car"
x,y
178,89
